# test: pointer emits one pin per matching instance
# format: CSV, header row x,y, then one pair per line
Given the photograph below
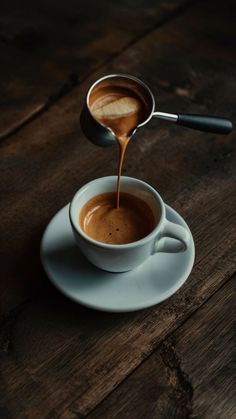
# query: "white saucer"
x,y
154,281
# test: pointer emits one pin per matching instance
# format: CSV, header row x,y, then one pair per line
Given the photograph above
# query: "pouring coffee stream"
x,y
121,110
117,105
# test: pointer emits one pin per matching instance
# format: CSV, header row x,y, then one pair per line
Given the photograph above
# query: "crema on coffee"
x,y
104,222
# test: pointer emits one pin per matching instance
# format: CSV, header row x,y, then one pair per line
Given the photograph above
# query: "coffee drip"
x,y
120,108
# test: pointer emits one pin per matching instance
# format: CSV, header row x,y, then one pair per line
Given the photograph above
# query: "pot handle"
x,y
214,124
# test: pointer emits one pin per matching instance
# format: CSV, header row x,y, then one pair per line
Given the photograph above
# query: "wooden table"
x,y
58,359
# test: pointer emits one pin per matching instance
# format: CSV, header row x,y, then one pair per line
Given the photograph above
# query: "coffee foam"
x,y
114,106
101,220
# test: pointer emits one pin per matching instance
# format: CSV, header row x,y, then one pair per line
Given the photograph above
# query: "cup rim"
x,y
124,75
137,243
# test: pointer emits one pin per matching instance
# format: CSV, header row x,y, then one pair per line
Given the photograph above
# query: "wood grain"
x,y
50,159
192,374
47,48
56,357
55,353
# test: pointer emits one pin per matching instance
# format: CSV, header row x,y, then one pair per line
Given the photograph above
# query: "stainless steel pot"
x,y
104,136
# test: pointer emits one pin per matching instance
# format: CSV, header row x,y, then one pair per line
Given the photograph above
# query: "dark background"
x,y
58,359
48,47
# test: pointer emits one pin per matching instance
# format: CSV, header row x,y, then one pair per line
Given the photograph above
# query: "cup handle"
x,y
165,242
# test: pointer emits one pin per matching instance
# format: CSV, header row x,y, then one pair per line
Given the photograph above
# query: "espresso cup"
x,y
165,237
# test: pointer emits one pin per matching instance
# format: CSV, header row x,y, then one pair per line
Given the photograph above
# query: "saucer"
x,y
149,284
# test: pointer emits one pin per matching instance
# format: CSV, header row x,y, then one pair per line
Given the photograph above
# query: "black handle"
x,y
215,124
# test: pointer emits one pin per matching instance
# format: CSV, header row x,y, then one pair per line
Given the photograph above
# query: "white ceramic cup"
x,y
166,236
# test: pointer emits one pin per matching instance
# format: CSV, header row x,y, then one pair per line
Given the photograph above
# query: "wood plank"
x,y
191,374
50,159
55,354
47,48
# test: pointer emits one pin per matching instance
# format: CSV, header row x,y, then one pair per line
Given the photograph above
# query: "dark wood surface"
x,y
55,45
60,360
177,380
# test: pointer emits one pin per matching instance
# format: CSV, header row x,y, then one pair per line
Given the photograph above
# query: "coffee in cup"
x,y
124,257
101,220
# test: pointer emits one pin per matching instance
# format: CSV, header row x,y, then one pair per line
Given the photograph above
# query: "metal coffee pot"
x,y
103,136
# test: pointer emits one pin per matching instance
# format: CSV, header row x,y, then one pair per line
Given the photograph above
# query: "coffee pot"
x,y
103,136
